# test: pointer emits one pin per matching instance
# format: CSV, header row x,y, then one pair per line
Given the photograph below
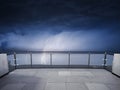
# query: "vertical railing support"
x,y
89,59
15,62
31,58
51,59
69,59
105,59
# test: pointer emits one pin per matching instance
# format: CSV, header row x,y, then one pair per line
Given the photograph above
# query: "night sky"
x,y
83,25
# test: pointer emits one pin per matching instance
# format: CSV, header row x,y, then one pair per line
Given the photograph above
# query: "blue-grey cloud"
x,y
66,40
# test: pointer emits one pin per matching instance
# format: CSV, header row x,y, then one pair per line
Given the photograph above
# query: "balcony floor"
x,y
60,79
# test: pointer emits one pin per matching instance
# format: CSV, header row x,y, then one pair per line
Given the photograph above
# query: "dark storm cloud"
x,y
26,11
26,21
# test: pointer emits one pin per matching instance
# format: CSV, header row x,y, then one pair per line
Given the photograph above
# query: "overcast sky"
x,y
60,25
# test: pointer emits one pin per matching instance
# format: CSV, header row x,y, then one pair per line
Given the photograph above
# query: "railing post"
x,y
89,59
31,58
15,60
51,59
105,58
68,58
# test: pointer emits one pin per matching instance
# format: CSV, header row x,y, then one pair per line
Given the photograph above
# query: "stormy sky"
x,y
87,25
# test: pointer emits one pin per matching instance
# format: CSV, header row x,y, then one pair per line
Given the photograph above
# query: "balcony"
x,y
60,70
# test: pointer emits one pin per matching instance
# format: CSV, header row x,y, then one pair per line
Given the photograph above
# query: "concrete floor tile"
x,y
77,79
55,86
39,86
82,73
97,86
13,87
76,86
114,87
57,79
64,73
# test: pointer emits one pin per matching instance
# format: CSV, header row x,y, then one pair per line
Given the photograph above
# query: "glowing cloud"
x,y
78,40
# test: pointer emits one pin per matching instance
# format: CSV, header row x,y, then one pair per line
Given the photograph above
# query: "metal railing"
x,y
61,59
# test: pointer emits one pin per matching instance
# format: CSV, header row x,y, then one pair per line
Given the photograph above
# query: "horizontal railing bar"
x,y
72,52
